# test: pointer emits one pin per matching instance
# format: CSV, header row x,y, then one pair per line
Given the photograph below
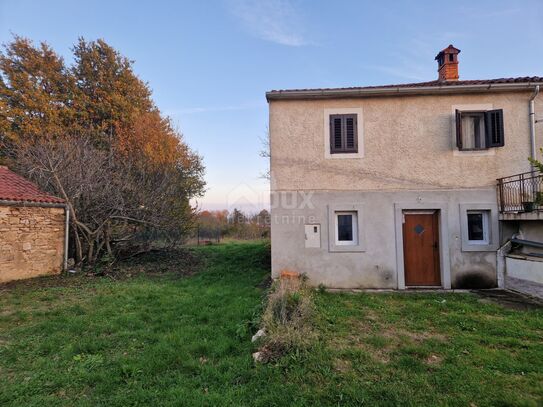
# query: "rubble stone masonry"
x,y
31,241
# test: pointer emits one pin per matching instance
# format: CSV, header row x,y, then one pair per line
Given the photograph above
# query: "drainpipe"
x,y
66,237
532,121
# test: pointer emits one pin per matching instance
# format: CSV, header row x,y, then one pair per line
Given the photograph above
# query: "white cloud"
x,y
271,20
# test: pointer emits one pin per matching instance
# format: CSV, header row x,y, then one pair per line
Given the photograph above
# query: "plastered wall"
x,y
408,144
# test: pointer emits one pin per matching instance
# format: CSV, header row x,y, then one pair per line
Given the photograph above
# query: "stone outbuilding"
x,y
32,229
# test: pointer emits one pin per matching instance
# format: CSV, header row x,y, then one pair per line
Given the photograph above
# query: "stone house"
x,y
396,186
32,229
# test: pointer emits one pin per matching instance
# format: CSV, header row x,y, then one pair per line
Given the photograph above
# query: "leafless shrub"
x,y
265,152
113,199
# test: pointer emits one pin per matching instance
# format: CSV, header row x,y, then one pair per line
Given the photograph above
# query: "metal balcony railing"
x,y
521,192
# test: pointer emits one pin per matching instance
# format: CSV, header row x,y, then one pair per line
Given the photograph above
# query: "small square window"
x,y
478,227
346,228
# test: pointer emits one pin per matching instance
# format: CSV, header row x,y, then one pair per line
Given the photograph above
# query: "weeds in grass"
x,y
177,262
251,325
288,318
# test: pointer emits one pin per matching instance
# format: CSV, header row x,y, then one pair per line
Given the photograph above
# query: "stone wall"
x,y
31,241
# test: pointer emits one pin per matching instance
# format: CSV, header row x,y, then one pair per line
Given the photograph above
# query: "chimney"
x,y
447,62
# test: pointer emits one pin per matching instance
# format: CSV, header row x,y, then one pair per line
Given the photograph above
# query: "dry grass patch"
x,y
343,365
434,360
417,337
382,341
287,319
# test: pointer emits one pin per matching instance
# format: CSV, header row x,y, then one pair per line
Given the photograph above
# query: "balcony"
x,y
520,197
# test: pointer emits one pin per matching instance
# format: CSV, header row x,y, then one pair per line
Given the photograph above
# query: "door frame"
x,y
443,216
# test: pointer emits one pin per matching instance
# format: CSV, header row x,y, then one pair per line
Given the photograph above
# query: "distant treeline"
x,y
214,225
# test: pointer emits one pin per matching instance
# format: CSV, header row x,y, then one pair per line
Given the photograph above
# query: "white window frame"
x,y
486,223
360,244
492,227
354,225
359,133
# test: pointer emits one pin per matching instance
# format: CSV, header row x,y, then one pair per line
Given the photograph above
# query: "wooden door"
x,y
421,248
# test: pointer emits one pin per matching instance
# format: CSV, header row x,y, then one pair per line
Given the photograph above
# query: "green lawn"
x,y
164,340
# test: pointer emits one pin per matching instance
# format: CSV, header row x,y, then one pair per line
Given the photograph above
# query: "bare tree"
x,y
112,198
265,152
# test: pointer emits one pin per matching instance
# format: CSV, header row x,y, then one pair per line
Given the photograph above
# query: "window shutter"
x,y
338,142
350,133
336,133
343,133
332,135
458,115
494,128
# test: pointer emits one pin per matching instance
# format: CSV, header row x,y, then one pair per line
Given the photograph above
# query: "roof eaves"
x,y
398,90
39,203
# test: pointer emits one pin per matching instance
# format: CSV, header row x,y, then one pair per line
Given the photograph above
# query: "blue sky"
x,y
210,63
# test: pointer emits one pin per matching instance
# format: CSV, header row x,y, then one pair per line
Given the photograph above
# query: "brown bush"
x,y
288,318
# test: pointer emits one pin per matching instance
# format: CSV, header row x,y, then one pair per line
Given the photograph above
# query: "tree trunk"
x,y
90,252
78,248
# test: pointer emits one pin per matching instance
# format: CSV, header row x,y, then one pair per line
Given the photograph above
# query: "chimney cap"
x,y
449,50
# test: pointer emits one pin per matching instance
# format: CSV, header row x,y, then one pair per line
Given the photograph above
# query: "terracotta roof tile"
x,y
13,187
523,79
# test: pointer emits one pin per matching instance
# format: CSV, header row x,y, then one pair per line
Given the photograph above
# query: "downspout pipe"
x,y
66,237
532,122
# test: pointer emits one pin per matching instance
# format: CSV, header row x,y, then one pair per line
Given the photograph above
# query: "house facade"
x,y
33,229
395,186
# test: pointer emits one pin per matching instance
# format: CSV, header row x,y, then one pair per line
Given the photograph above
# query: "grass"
x,y
163,339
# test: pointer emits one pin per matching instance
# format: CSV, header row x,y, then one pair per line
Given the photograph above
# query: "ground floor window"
x,y
478,227
346,228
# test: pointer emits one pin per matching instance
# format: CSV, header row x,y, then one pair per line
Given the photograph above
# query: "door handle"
x,y
435,245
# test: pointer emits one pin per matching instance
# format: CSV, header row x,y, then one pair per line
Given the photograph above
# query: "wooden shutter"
x,y
458,115
336,133
343,133
494,128
350,133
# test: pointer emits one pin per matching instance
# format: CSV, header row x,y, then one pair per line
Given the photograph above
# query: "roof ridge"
x,y
518,79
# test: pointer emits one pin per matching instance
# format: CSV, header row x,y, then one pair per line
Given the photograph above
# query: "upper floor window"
x,y
343,133
479,130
